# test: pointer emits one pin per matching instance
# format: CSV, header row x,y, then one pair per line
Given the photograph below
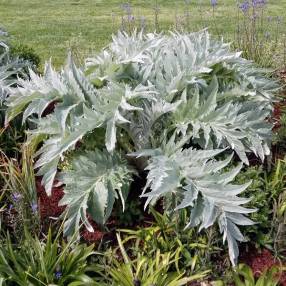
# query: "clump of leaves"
x,y
132,215
42,262
243,275
143,270
18,187
26,53
267,186
193,251
174,105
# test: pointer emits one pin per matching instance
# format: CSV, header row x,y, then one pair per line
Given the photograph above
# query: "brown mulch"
x,y
260,261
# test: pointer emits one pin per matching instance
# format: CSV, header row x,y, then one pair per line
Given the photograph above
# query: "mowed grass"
x,y
51,26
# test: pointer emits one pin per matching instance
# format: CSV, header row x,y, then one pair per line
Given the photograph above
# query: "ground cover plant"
x,y
38,262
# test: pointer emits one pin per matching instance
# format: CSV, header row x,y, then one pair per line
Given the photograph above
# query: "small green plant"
x,y
42,262
243,276
279,224
10,68
193,251
145,271
25,53
267,186
133,214
19,190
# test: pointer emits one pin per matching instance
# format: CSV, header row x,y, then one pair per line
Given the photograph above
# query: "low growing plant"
x,y
26,53
243,276
176,106
193,251
43,262
267,186
145,271
18,187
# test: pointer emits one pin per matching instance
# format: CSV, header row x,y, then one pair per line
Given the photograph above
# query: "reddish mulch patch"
x,y
277,112
93,237
279,106
260,261
48,205
49,208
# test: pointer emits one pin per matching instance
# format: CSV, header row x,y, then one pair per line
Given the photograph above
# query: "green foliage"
x,y
135,91
243,276
25,53
133,214
258,36
267,186
193,251
36,262
192,176
145,271
18,188
258,191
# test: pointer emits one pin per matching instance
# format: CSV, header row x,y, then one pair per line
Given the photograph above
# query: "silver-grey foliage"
x,y
9,69
154,96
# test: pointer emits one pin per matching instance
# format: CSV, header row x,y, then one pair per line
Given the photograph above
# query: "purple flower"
x,y
213,2
10,207
244,7
58,274
258,3
16,197
34,207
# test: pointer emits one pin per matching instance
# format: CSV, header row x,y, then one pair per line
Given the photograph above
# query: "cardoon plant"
x,y
177,107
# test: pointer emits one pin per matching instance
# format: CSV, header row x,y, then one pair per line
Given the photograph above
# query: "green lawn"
x,y
50,26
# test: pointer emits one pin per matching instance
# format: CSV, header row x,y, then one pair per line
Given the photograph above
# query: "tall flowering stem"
x,y
258,41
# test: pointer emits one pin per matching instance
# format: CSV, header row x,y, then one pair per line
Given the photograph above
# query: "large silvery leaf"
x,y
9,70
218,125
95,180
34,95
55,146
198,182
113,102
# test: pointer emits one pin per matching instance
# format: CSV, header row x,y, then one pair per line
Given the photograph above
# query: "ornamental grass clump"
x,y
178,106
